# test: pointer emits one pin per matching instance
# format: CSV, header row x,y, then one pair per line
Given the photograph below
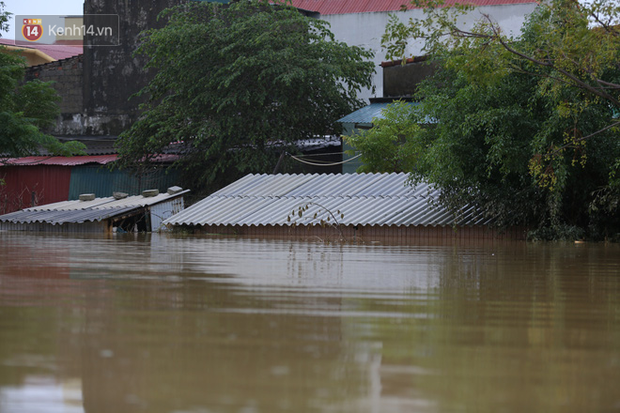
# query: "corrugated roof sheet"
x,y
56,52
365,114
84,211
73,160
367,6
362,199
372,111
59,217
59,160
103,181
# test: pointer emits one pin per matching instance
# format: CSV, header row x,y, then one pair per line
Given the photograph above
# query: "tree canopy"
x,y
387,147
524,128
236,85
26,108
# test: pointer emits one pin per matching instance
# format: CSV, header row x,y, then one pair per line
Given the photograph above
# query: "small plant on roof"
x,y
324,215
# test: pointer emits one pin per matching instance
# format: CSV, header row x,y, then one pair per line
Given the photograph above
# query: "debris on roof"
x,y
356,199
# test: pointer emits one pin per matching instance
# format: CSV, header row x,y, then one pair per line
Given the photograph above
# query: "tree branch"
x,y
577,82
583,138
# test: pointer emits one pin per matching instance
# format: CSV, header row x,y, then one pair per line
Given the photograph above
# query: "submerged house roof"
x,y
350,199
79,212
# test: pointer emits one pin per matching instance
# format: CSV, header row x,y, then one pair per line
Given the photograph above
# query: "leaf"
x,y
229,80
521,128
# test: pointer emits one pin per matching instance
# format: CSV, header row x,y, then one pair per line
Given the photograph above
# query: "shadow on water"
x,y
187,324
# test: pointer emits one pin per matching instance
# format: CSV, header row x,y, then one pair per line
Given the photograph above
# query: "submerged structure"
x,y
118,213
37,180
355,207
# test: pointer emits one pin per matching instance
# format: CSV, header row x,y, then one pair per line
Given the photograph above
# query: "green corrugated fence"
x,y
101,181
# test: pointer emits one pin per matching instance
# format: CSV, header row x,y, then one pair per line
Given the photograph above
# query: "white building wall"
x,y
366,29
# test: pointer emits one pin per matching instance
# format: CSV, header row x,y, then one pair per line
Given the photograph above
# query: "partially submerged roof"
x,y
369,6
351,199
79,212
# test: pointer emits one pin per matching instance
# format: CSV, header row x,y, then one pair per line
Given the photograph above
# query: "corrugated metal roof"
x,y
84,211
74,160
59,160
362,199
48,183
369,112
367,6
374,111
365,114
56,52
59,217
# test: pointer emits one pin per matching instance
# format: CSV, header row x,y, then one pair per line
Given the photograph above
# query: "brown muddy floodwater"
x,y
188,325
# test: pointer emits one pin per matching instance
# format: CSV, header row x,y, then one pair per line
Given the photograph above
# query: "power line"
x,y
324,164
322,154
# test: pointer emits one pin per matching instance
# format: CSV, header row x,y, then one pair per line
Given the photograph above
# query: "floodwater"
x,y
184,324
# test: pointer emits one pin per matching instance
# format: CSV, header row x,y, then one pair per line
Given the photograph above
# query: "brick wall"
x,y
67,75
113,74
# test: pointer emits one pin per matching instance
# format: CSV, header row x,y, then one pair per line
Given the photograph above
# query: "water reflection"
x,y
177,324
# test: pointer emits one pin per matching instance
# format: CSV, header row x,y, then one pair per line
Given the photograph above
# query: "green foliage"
x,y
26,108
240,84
385,147
4,18
526,128
560,232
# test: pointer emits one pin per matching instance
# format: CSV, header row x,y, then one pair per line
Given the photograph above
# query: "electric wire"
x,y
324,164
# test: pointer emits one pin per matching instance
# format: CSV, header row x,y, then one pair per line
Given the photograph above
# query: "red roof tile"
x,y
59,160
366,6
56,52
74,160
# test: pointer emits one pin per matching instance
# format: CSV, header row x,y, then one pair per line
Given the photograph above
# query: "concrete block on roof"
x,y
147,193
174,190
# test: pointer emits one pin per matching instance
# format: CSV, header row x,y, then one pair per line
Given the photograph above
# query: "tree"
x,y
576,44
525,128
25,108
386,147
236,85
4,18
